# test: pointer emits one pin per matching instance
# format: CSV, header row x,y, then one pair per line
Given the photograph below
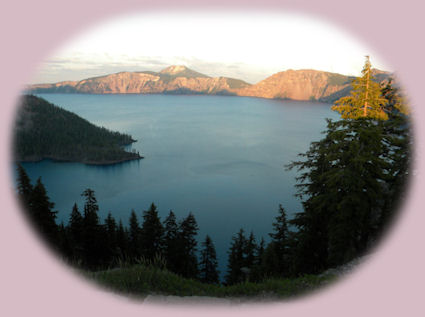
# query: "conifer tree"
x,y
260,251
208,265
111,227
151,233
41,212
366,100
122,241
171,252
93,249
258,271
280,240
91,208
397,134
134,237
343,179
64,243
270,265
249,252
396,102
187,266
349,177
76,232
236,260
24,186
111,237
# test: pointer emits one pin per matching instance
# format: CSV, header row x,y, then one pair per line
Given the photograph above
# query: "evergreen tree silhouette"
x,y
236,259
270,265
250,249
42,214
257,271
111,238
76,232
123,242
151,233
187,266
24,187
93,245
260,251
134,238
171,252
280,238
208,265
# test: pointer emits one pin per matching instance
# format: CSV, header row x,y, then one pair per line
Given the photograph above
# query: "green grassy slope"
x,y
140,281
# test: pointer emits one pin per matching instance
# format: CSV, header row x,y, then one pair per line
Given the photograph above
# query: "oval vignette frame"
x,y
34,282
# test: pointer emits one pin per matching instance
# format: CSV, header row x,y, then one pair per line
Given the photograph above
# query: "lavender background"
x,y
33,283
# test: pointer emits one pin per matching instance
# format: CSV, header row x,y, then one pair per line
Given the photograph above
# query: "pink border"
x,y
32,282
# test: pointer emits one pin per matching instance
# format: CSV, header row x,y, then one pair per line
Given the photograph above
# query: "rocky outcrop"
x,y
298,85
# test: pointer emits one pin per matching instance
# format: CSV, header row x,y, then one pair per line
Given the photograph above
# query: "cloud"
x,y
80,66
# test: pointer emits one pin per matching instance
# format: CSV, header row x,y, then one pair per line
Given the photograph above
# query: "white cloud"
x,y
249,46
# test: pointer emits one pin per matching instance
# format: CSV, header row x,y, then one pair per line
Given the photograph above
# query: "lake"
x,y
222,158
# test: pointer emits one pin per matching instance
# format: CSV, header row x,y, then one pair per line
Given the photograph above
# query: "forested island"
x,y
46,131
350,184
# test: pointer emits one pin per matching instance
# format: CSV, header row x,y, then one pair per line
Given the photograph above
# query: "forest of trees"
x,y
44,130
91,244
350,183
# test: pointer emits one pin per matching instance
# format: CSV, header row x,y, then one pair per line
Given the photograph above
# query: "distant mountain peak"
x,y
181,71
174,69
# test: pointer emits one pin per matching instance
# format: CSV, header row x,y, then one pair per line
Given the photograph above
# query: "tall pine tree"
x,y
280,238
236,259
123,242
41,212
397,134
350,176
187,266
250,250
152,233
111,238
93,245
208,272
366,100
342,178
24,186
76,232
134,238
171,252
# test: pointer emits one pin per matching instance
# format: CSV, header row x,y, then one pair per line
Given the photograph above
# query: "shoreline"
x,y
94,163
32,92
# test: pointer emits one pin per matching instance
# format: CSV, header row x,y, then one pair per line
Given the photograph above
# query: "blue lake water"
x,y
220,157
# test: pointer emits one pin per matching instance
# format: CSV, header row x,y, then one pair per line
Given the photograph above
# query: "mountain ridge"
x,y
303,84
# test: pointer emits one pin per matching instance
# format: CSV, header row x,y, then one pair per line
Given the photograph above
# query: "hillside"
x,y
45,131
171,80
298,85
152,283
305,85
291,84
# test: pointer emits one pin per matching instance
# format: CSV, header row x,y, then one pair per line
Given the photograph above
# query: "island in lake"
x,y
46,131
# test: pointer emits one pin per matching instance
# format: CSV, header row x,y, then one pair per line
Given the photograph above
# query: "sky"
x,y
248,46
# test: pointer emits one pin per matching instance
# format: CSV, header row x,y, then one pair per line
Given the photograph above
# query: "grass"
x,y
141,280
